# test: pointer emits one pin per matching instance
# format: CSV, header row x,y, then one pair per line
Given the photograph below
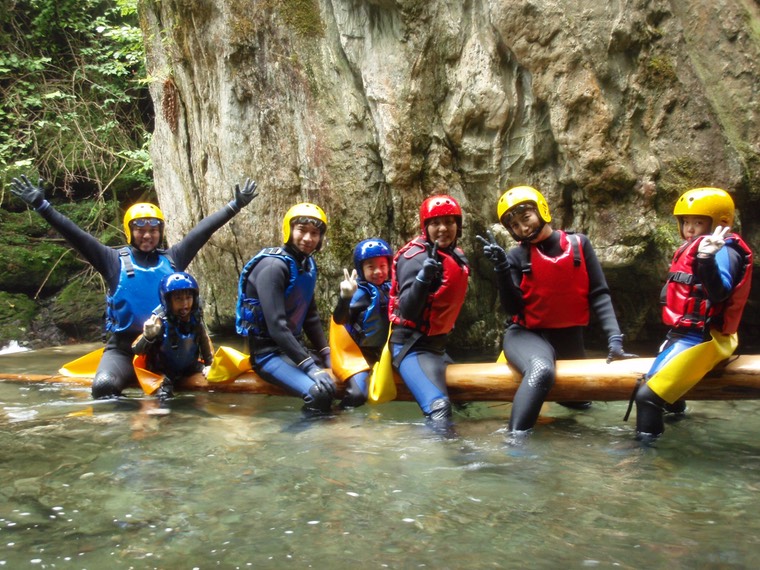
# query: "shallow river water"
x,y
241,481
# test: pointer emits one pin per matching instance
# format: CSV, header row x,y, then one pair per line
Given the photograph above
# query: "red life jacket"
x,y
555,289
687,305
443,305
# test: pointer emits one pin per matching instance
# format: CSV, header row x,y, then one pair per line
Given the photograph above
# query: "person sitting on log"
x,y
363,309
174,339
429,281
276,306
703,300
548,284
132,273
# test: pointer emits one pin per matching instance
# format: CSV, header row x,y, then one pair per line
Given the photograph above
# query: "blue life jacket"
x,y
136,295
249,318
372,331
179,351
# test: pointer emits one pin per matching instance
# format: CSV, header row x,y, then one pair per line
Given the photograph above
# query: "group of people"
x,y
548,285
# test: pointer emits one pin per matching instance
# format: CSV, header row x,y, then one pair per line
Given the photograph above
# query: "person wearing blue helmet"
x,y
131,273
363,309
174,339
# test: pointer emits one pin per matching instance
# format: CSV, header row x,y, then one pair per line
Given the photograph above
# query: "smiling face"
x,y
695,226
525,223
376,270
181,304
146,236
305,237
442,230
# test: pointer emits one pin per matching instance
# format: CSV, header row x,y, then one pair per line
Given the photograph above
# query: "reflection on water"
x,y
241,481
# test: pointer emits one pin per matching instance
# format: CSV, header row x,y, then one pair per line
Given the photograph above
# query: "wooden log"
x,y
591,379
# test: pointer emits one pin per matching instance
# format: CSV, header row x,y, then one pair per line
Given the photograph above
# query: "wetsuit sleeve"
x,y
340,313
412,293
103,259
599,297
271,277
312,326
205,344
183,252
719,273
142,345
508,283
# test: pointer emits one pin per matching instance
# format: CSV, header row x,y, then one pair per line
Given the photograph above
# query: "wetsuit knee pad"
x,y
317,400
105,385
540,374
440,409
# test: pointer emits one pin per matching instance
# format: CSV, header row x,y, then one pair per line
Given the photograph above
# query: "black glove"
x,y
615,345
28,192
246,195
321,377
494,252
431,268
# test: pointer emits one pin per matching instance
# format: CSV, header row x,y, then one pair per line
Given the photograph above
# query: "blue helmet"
x,y
369,248
179,281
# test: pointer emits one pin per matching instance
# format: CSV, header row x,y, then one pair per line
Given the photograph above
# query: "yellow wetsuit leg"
x,y
686,369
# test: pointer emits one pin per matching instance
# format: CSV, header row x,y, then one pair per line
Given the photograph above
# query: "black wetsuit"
x,y
115,371
279,356
534,351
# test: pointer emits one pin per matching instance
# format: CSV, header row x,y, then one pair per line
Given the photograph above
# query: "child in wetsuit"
x,y
703,300
363,309
174,339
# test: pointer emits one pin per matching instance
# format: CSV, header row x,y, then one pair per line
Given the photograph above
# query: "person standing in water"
x,y
132,273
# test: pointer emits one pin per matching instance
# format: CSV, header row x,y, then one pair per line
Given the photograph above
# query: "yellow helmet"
x,y
303,210
714,203
139,211
520,195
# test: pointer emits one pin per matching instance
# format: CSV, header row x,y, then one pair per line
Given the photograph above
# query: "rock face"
x,y
366,107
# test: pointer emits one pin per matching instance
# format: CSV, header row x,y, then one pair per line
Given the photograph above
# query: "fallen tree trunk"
x,y
591,379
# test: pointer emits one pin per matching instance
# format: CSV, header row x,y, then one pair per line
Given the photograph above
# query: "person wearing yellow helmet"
x,y
548,284
132,273
276,308
703,299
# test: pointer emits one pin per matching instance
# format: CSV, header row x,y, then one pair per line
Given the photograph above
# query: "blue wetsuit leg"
x,y
424,373
278,370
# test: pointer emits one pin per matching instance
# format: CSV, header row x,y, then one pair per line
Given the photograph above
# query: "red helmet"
x,y
441,205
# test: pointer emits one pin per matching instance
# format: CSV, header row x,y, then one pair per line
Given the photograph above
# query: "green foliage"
x,y
74,103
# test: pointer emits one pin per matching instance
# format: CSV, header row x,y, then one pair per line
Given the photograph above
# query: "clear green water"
x,y
239,481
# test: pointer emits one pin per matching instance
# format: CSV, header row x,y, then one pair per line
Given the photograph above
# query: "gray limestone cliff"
x,y
365,107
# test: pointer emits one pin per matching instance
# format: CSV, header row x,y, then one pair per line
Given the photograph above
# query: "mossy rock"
x,y
78,309
16,314
45,265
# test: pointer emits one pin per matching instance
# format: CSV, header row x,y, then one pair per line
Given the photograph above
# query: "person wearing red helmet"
x,y
703,300
428,286
549,283
132,273
174,339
